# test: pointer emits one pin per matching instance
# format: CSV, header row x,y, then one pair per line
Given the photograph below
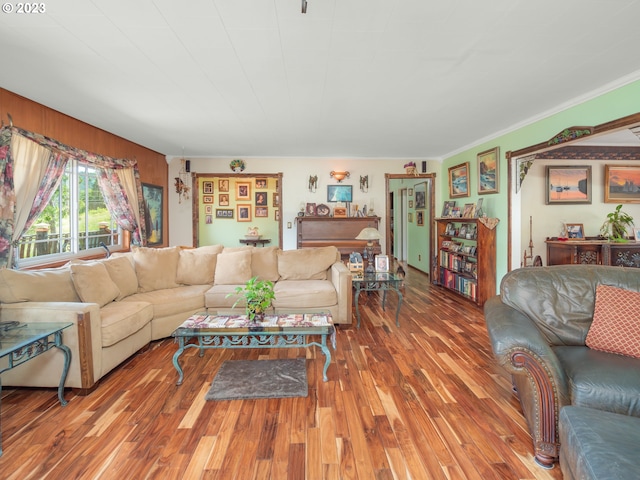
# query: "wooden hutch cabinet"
x,y
466,257
593,252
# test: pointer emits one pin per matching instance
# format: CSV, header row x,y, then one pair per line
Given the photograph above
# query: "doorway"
x,y
406,240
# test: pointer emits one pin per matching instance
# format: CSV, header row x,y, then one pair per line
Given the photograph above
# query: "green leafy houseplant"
x,y
615,226
258,296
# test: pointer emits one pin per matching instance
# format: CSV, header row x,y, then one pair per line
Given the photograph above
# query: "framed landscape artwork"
x,y
153,211
488,181
568,184
621,184
459,180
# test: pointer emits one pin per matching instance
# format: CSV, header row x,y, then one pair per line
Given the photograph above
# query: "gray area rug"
x,y
240,379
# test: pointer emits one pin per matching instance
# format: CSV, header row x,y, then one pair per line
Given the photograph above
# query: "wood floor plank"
x,y
425,400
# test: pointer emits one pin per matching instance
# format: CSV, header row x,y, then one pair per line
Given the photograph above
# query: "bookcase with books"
x,y
466,257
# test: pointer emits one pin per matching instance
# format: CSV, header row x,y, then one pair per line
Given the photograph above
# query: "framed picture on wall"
x,y
262,212
568,184
224,212
621,184
152,196
488,171
276,199
243,213
207,199
459,180
261,183
223,185
207,187
261,199
420,218
421,195
243,191
208,209
223,199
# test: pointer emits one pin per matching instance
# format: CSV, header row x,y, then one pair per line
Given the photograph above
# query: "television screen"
x,y
339,193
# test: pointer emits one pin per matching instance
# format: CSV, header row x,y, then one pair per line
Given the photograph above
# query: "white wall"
x,y
548,220
296,172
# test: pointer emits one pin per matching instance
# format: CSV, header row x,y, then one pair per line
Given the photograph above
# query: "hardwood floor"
x,y
422,401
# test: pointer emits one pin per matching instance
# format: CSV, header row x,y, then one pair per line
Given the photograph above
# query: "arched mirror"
x,y
568,182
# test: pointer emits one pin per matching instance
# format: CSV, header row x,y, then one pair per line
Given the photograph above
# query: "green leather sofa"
x,y
537,327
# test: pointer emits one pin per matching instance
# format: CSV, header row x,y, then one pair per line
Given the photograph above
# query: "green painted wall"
x,y
618,103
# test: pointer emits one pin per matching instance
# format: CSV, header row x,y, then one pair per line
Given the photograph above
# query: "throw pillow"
x,y
616,321
196,268
123,274
306,263
93,283
233,268
156,267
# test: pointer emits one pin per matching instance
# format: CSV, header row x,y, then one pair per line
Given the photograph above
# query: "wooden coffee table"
x,y
236,331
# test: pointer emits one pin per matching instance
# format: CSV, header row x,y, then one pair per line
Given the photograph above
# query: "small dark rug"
x,y
239,379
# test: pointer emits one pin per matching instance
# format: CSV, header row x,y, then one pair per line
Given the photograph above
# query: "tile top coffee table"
x,y
20,342
236,331
378,281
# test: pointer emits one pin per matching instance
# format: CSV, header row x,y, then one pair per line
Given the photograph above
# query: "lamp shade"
x,y
369,234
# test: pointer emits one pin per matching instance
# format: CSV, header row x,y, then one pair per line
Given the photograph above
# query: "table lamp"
x,y
369,234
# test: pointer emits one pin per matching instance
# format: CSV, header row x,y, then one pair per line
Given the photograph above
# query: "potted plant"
x,y
615,226
258,296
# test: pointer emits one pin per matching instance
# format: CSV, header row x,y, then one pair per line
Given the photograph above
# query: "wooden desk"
x,y
339,232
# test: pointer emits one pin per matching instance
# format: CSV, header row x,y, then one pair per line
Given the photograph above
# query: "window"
x,y
76,221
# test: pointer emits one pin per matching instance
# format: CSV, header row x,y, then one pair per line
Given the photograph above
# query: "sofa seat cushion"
x,y
596,444
304,294
170,301
122,319
216,297
601,380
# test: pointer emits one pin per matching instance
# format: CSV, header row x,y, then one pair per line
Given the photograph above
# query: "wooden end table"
x,y
236,331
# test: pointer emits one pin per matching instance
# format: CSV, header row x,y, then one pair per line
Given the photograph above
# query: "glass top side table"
x,y
20,342
378,281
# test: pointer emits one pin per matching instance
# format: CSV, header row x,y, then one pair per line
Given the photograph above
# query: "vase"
x,y
255,313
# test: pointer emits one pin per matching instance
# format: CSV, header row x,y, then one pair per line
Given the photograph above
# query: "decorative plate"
x,y
322,210
237,165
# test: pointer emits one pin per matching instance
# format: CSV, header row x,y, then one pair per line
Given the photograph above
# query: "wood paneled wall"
x,y
38,118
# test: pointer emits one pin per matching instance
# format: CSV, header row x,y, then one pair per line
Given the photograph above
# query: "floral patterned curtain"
x,y
123,198
7,196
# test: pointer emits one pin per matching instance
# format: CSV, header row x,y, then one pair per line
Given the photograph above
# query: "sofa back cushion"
x,y
122,271
195,267
44,285
156,267
306,263
233,267
560,299
93,283
264,263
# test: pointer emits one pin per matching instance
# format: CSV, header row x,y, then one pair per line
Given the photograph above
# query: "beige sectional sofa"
x,y
120,304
